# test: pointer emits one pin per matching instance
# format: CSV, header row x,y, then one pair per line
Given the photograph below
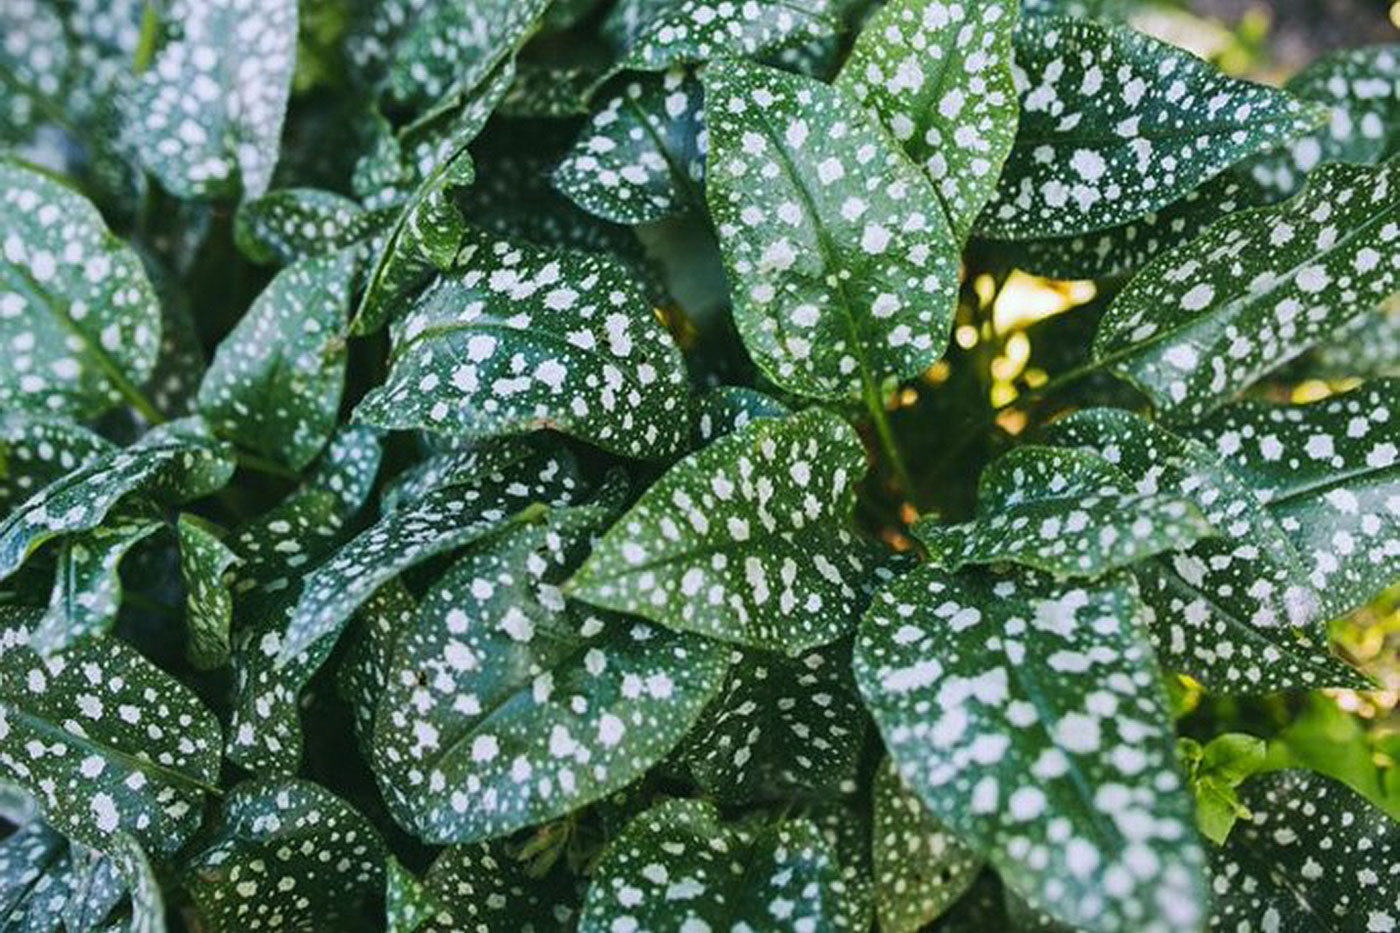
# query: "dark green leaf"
x,y
35,450
725,409
697,30
484,887
204,564
294,223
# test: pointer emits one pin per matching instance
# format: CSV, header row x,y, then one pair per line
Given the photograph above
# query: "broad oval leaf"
x,y
842,267
1115,124
699,30
1069,513
518,338
285,855
206,117
677,866
77,312
204,562
105,741
506,706
939,77
745,540
1029,717
1206,320
275,382
289,224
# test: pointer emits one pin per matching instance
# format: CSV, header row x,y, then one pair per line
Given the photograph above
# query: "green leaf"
x,y
294,223
725,409
1365,348
206,117
1214,771
677,866
204,563
1329,472
441,521
920,867
842,267
87,590
36,449
1312,856
518,338
939,77
507,706
744,541
1115,124
845,826
363,672
1029,717
105,741
174,462
485,887
77,311
640,159
1069,513
275,383
408,903
1206,320
699,30
285,855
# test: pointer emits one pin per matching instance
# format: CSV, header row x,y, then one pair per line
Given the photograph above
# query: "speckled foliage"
x,y
528,466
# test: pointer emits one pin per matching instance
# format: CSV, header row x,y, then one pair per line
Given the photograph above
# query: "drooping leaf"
x,y
920,867
518,338
36,449
77,313
1015,705
1069,513
1313,855
204,561
677,866
206,117
295,223
105,741
641,157
744,541
843,270
1206,320
939,77
285,855
275,383
1115,125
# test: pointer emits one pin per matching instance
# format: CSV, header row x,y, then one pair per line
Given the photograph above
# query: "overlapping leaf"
x,y
843,269
669,34
1115,125
519,338
1367,347
1030,718
78,316
486,887
744,541
48,882
204,561
293,223
1206,320
37,449
939,76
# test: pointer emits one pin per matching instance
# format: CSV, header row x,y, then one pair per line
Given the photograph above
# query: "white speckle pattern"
x,y
699,30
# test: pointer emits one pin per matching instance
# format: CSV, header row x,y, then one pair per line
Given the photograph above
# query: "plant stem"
x,y
887,440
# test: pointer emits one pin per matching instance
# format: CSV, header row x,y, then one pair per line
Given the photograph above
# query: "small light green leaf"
x,y
1069,513
939,77
105,741
294,223
641,157
677,866
204,564
1029,717
1115,124
725,409
699,30
275,383
285,855
206,117
1214,771
36,449
520,338
1206,320
920,867
1329,472
745,540
842,267
1313,855
76,308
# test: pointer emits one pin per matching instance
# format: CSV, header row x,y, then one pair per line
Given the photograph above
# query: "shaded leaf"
x,y
294,223
725,409
485,886
1366,347
48,883
363,672
204,563
37,449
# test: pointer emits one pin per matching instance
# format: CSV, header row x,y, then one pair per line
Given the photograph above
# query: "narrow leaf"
x,y
294,223
204,562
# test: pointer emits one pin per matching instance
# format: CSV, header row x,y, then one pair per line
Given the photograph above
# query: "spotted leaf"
x,y
939,77
105,741
1115,125
487,887
1367,347
206,117
1030,719
1312,855
842,267
725,409
677,866
670,34
285,855
1069,513
920,867
294,223
744,541
77,312
1206,320
363,673
518,338
641,157
275,383
204,563
37,449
